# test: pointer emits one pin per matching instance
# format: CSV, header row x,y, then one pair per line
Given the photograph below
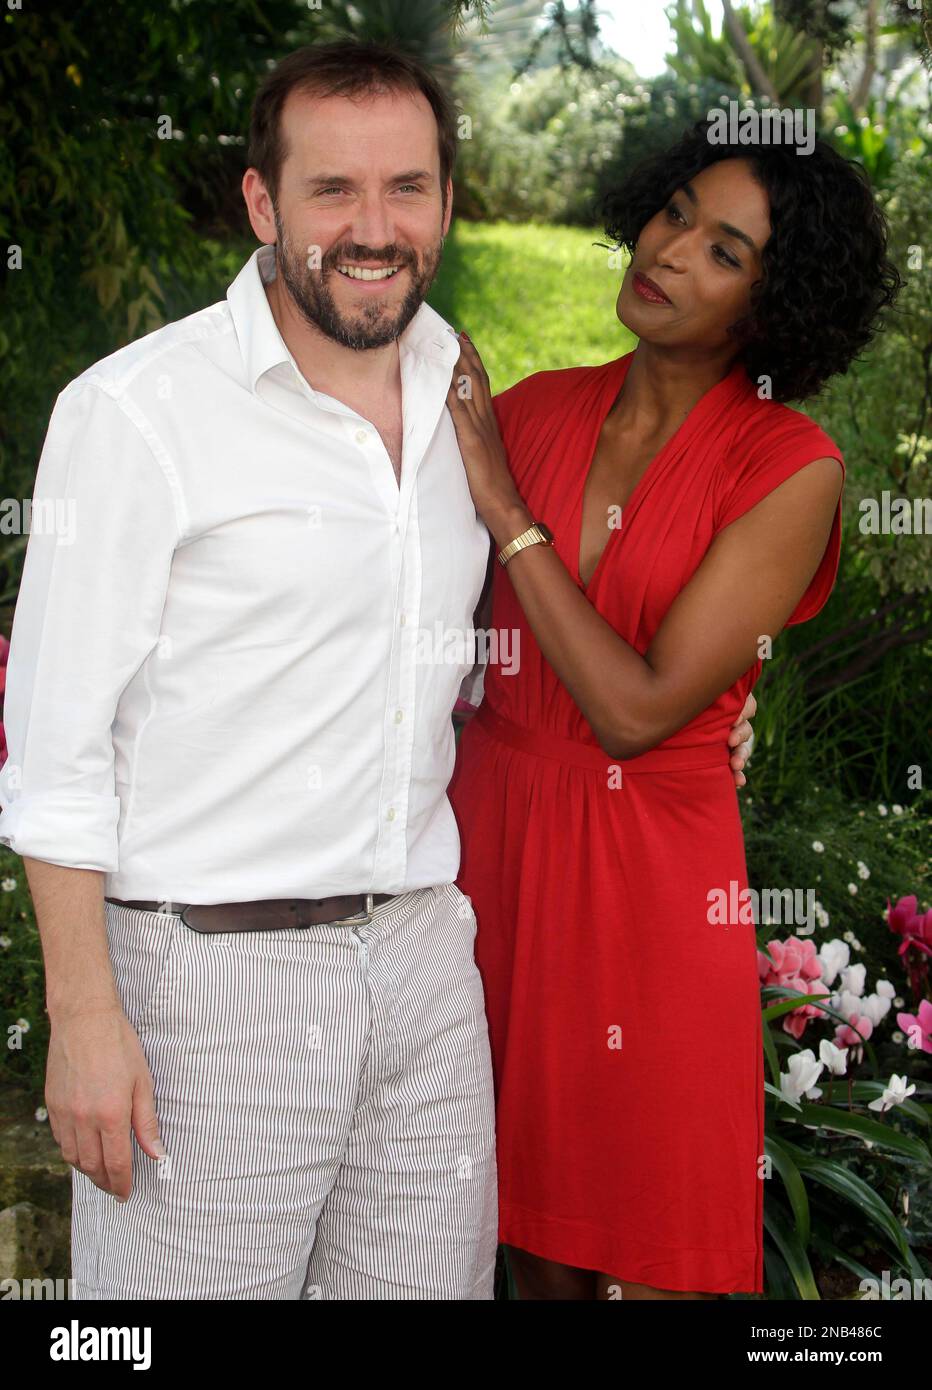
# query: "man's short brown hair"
x,y
350,68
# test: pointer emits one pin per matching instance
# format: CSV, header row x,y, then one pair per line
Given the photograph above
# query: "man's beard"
x,y
372,325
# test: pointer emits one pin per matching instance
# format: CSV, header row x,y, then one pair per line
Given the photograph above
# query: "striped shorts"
x,y
324,1095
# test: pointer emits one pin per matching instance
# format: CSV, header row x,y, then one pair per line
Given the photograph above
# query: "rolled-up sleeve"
x,y
105,522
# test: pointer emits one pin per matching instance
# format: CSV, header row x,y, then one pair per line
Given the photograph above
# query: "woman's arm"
x,y
482,621
707,639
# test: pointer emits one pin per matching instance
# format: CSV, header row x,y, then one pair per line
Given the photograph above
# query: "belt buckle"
x,y
360,919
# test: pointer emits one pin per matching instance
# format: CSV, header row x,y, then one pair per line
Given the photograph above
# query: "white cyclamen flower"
x,y
876,1007
853,978
835,1058
804,1072
895,1092
833,957
847,1003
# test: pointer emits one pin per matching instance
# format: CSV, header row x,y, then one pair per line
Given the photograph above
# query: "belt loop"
x,y
367,915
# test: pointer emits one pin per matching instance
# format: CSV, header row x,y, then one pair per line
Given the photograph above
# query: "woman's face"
x,y
703,252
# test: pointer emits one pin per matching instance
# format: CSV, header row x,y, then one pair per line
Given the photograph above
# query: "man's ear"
x,y
259,206
449,208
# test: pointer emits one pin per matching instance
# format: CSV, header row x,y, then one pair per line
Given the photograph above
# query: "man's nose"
x,y
373,223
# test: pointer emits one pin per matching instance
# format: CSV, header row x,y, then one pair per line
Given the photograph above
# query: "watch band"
x,y
536,534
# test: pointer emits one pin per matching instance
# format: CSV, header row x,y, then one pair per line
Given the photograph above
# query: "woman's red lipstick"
x,y
649,291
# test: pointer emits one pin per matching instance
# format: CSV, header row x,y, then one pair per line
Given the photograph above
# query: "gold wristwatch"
x,y
537,534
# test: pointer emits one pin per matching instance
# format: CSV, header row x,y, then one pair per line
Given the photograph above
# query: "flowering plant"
x,y
916,930
816,1135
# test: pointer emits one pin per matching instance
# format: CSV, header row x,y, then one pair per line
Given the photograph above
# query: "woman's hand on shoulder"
x,y
470,403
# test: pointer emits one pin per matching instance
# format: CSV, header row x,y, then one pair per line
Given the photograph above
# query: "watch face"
x,y
545,531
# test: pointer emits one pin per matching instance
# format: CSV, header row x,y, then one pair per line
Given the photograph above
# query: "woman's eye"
x,y
673,211
725,256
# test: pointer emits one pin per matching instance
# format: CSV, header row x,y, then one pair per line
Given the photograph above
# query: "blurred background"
x,y
122,148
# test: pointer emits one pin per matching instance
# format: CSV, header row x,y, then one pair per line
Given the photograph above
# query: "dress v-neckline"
x,y
614,387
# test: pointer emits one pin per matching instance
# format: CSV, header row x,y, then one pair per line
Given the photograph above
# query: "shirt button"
x,y
399,715
391,813
361,436
402,620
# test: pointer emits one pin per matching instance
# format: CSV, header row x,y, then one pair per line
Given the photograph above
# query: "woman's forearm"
x,y
613,685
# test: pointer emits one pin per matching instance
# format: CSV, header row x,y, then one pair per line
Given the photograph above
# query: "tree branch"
x,y
862,90
839,634
752,66
891,642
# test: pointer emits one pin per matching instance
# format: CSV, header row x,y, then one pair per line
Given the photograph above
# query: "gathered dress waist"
x,y
586,755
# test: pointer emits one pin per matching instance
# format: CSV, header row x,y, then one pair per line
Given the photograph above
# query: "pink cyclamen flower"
x,y
787,959
845,1034
795,965
921,1021
914,926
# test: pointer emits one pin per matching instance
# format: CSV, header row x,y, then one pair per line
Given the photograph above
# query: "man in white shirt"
x,y
217,697
228,758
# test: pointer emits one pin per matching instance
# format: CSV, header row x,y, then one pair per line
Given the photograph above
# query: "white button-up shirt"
x,y
234,654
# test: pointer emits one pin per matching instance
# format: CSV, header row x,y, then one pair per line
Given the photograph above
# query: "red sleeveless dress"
x,y
625,1029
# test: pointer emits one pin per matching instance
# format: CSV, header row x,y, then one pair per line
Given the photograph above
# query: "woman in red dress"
x,y
694,515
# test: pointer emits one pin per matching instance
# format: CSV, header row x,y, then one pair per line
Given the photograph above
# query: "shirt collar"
x,y
263,347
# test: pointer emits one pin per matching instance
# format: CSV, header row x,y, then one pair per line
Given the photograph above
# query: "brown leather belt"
x,y
348,909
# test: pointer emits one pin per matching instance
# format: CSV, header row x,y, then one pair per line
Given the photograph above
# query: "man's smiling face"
x,y
359,193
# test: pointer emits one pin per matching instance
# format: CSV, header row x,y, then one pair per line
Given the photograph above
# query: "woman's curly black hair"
x,y
825,272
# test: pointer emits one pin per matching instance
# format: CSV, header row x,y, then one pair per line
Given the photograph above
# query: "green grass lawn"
x,y
531,297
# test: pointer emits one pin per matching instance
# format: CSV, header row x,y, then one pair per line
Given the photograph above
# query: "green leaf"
x,y
778,1280
786,1006
833,1254
770,1052
792,1250
792,1181
855,1190
882,1135
795,1000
